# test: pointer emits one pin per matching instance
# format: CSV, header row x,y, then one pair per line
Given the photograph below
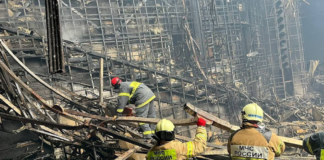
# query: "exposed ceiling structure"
x,y
216,54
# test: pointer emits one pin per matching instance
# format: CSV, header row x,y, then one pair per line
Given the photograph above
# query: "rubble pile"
x,y
76,127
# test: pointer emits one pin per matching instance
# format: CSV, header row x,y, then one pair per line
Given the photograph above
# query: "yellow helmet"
x,y
164,125
252,112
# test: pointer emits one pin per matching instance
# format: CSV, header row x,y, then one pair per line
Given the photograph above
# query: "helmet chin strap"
x,y
157,139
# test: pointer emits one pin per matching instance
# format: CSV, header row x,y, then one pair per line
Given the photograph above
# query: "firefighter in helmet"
x,y
169,148
253,140
142,97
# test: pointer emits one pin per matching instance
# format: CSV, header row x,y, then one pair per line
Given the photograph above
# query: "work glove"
x,y
116,116
201,122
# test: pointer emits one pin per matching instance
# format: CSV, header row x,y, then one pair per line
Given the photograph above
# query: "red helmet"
x,y
115,81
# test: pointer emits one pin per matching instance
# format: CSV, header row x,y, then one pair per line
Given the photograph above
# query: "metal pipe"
x,y
101,81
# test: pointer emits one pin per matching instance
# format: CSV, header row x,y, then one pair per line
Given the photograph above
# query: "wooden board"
x,y
217,122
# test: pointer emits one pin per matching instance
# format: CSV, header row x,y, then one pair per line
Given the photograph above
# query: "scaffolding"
x,y
185,51
285,46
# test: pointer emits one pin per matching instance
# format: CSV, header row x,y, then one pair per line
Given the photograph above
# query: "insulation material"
x,y
86,2
10,13
14,5
26,18
7,42
156,30
24,30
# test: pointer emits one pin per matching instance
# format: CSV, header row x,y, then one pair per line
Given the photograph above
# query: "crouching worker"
x,y
314,145
169,148
253,140
142,97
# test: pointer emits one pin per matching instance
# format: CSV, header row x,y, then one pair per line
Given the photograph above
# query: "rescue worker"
x,y
253,140
142,97
169,148
314,145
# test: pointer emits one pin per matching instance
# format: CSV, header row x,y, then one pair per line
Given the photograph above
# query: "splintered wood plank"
x,y
5,100
127,154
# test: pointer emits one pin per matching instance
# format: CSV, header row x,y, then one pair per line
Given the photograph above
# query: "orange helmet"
x,y
115,81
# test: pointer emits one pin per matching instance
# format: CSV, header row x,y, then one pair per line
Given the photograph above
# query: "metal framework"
x,y
170,45
285,47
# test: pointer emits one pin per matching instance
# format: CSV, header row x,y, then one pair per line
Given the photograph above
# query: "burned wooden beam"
x,y
177,122
215,121
121,137
13,107
54,37
61,126
40,122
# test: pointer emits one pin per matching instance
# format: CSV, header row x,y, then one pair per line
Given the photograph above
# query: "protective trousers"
x,y
147,111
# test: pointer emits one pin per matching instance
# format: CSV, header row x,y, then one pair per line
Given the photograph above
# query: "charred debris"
x,y
215,54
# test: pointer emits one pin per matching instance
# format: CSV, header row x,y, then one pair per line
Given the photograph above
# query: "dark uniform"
x,y
142,97
314,145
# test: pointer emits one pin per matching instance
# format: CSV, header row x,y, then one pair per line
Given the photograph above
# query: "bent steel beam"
x,y
78,105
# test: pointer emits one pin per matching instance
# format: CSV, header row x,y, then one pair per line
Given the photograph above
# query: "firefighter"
x,y
253,140
314,145
169,148
142,97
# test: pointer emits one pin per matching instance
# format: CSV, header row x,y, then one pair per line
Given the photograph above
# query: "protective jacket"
x,y
176,150
134,93
254,143
314,145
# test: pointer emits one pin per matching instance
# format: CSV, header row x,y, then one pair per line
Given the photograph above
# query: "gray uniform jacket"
x,y
134,93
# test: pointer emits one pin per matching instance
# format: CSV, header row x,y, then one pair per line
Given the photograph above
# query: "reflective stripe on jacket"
x,y
314,145
176,150
252,145
134,93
